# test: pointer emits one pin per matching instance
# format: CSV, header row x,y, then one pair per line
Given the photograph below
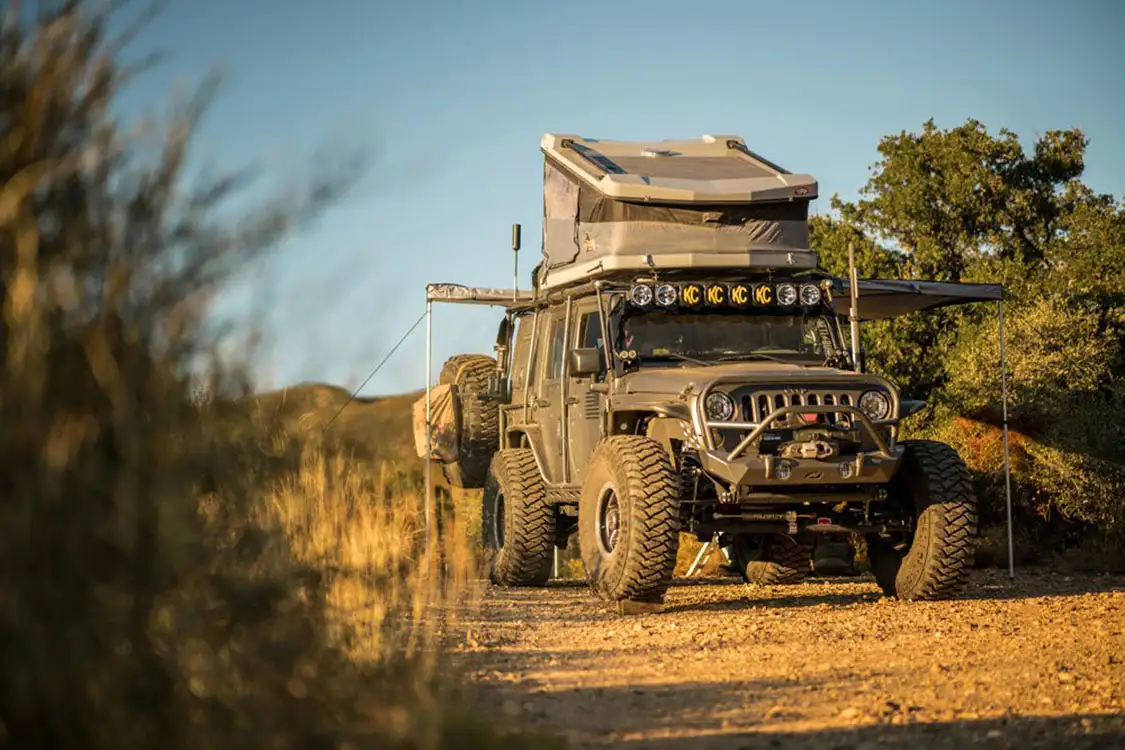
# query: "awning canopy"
x,y
477,295
880,299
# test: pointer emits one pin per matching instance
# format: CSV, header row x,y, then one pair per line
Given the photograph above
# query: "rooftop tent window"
x,y
560,216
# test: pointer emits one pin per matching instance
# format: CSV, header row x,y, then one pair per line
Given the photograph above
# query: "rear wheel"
x,y
933,486
479,419
770,559
834,555
517,524
629,519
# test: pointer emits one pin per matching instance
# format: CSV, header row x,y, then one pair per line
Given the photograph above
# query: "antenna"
x,y
854,312
515,261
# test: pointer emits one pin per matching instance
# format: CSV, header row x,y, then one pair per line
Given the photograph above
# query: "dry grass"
x,y
184,573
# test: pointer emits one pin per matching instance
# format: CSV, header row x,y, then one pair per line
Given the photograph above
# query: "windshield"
x,y
718,336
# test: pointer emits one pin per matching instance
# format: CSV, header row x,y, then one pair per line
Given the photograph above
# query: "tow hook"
x,y
791,519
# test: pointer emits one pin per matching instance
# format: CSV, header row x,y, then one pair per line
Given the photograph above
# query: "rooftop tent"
x,y
880,299
705,203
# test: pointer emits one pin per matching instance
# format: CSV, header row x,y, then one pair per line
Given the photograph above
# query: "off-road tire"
x,y
834,557
936,563
523,555
781,561
640,566
479,418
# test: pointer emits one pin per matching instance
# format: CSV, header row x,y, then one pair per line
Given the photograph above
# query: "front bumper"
x,y
741,468
760,471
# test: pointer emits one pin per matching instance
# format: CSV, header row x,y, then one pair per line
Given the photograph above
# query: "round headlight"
x,y
783,470
641,295
810,294
875,405
666,295
719,407
786,294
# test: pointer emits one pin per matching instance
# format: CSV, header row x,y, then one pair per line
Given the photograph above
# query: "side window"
x,y
555,352
590,330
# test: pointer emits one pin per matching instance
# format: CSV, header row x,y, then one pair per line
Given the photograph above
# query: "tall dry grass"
x,y
175,576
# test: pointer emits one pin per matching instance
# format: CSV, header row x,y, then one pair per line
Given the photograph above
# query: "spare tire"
x,y
479,419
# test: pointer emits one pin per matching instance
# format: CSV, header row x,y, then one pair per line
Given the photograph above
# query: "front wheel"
x,y
629,519
934,486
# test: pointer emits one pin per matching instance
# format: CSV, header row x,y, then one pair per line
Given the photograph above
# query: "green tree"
x,y
964,205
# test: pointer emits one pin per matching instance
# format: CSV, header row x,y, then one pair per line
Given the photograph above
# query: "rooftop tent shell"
x,y
688,204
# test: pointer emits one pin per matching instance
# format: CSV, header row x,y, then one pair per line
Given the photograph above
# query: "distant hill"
x,y
377,429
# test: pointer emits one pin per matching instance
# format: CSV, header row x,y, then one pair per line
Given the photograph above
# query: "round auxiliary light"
x,y
691,295
786,294
783,470
641,295
846,469
719,407
666,295
741,295
716,295
875,405
810,294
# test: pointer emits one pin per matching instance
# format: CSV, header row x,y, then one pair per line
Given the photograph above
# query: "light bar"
x,y
741,295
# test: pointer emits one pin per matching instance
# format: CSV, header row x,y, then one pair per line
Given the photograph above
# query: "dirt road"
x,y
828,664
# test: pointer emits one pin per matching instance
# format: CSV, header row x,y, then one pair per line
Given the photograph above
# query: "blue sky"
x,y
452,99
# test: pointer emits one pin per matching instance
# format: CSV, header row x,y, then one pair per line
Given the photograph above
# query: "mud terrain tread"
x,y
645,572
529,523
788,563
941,554
480,419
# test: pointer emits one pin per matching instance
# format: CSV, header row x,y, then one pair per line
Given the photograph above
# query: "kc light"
x,y
716,295
786,294
875,405
719,407
666,295
641,295
691,295
741,295
810,294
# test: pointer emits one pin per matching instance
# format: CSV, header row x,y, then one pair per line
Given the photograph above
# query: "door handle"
x,y
572,401
542,402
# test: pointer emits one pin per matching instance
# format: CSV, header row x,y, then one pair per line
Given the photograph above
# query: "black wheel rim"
x,y
609,520
498,521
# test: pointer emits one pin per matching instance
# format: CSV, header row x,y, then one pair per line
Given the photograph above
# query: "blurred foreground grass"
x,y
184,566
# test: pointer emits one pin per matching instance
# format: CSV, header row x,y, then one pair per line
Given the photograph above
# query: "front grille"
x,y
758,404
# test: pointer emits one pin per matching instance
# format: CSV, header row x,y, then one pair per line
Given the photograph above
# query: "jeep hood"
x,y
673,378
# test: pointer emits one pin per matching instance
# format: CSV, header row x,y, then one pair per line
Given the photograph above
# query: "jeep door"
x,y
549,409
584,405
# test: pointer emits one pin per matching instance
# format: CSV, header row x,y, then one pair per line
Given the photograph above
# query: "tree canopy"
x,y
962,204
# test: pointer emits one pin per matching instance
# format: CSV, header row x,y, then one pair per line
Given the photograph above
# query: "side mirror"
x,y
584,361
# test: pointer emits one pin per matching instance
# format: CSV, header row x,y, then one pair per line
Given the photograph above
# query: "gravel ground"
x,y
827,664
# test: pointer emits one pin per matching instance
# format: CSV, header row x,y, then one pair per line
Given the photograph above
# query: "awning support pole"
x,y
853,314
429,433
1007,462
